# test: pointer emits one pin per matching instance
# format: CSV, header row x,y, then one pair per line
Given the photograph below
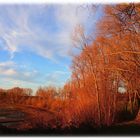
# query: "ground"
x,y
20,120
21,117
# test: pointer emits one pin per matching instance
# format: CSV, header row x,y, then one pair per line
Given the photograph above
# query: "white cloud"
x,y
9,69
7,64
5,68
19,32
9,72
69,16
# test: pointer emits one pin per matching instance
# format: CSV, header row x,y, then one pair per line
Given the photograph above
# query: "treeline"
x,y
14,94
16,91
109,66
104,86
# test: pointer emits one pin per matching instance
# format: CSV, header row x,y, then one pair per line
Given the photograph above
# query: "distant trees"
x,y
50,95
15,94
2,94
28,91
46,92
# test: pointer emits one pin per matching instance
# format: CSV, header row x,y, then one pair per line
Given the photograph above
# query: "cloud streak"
x,y
19,31
40,30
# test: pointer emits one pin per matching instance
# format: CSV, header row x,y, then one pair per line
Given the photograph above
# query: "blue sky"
x,y
36,45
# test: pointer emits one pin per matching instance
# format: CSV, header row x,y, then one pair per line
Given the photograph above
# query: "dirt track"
x,y
22,117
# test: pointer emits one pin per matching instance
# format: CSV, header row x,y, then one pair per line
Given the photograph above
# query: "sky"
x,y
36,44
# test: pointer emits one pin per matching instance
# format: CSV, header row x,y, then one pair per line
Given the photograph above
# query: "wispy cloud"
x,y
44,31
55,78
19,32
6,70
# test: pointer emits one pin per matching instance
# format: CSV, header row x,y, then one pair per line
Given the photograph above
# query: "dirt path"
x,y
22,117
